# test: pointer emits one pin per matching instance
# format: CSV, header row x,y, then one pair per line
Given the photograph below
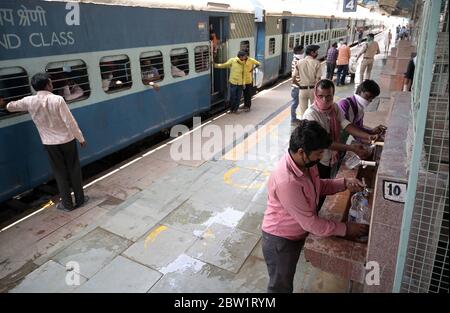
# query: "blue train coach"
x,y
108,52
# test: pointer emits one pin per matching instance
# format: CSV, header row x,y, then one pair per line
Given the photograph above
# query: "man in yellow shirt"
x,y
241,70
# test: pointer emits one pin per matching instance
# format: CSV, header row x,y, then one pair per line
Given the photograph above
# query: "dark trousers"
x,y
66,168
342,71
235,97
248,94
281,256
324,173
330,70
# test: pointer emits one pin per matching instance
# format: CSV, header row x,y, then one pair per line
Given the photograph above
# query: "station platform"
x,y
155,224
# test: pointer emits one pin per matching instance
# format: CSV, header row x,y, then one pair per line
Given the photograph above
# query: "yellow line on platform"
x,y
227,178
240,150
152,236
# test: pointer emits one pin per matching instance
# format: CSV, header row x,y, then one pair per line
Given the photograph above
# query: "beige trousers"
x,y
366,66
303,96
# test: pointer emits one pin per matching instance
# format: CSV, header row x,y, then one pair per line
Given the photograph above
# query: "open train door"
x,y
285,60
219,54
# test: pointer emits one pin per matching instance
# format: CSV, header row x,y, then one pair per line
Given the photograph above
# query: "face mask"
x,y
310,163
363,102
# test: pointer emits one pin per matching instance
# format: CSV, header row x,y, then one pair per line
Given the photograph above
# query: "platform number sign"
x,y
349,5
394,191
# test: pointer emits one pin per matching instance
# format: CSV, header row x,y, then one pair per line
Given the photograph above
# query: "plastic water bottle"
x,y
359,211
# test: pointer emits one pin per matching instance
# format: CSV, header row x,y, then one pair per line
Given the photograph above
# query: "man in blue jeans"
x,y
298,55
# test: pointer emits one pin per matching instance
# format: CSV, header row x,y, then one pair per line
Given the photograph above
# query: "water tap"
x,y
365,189
367,163
374,143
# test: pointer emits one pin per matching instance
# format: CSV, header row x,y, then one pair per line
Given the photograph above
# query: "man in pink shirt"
x,y
294,189
58,130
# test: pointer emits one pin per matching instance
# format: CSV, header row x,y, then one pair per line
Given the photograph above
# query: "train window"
x,y
14,85
116,73
70,79
297,40
322,36
271,46
302,40
179,59
201,56
306,40
291,42
245,46
152,67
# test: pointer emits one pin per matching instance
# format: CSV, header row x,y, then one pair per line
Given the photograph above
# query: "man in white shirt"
x,y
58,131
176,71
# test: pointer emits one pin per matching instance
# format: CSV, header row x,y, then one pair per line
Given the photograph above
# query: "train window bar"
x,y
271,46
115,73
70,79
152,67
14,85
201,57
179,59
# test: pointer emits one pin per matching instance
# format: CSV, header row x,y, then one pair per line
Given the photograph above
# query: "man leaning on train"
x,y
59,132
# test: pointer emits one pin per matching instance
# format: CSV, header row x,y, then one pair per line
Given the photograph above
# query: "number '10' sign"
x,y
394,191
349,5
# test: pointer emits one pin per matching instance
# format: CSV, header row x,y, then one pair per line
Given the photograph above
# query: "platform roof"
x,y
400,8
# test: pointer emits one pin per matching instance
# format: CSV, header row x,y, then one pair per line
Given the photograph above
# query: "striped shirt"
x,y
332,55
54,121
